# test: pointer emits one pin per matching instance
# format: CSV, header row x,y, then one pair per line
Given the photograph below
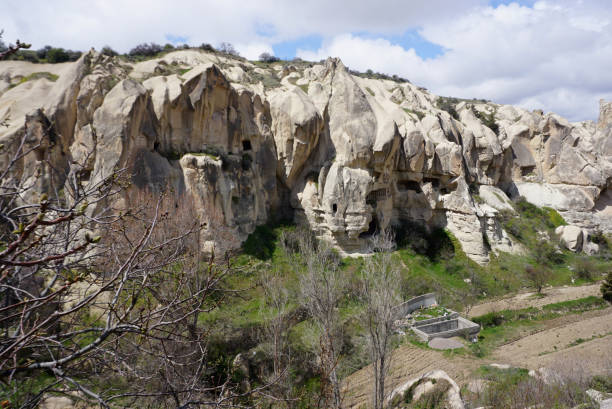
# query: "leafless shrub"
x,y
380,294
538,275
321,290
103,288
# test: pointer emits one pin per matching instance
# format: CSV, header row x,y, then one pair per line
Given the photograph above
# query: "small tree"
x,y
267,57
277,324
147,50
108,51
380,283
207,47
322,288
538,275
606,288
228,48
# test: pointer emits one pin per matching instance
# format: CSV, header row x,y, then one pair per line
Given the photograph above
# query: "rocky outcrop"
x,y
419,387
344,154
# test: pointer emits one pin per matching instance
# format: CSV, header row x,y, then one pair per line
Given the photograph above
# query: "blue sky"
x,y
410,38
546,54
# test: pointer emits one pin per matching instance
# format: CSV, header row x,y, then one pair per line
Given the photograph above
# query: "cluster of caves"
x,y
407,189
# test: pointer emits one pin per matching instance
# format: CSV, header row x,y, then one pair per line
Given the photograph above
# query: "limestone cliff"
x,y
346,155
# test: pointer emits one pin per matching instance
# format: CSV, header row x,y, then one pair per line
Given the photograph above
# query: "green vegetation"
x,y
267,80
500,326
370,91
549,311
430,312
35,76
488,118
47,54
379,76
420,115
513,387
428,261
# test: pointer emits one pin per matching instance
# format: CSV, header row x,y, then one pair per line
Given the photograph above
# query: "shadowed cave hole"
x,y
372,229
435,183
406,185
246,145
334,208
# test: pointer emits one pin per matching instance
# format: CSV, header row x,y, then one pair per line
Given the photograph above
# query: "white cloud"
x,y
551,57
554,55
252,51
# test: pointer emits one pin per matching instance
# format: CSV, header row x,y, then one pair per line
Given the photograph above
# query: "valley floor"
x,y
581,341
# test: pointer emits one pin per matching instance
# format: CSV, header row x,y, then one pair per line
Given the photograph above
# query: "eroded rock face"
x,y
344,154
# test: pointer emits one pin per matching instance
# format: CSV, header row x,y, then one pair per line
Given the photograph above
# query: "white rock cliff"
x,y
346,155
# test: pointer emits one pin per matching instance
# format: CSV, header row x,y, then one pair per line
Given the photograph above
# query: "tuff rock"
x,y
346,155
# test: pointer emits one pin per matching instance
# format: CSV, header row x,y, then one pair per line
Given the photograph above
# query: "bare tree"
x,y
227,48
267,57
277,321
380,283
538,275
322,287
11,49
91,292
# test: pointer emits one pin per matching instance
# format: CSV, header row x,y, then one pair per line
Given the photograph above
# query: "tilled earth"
x,y
583,340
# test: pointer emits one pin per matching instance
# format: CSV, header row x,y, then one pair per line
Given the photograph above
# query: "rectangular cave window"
x,y
246,145
434,182
409,185
376,195
334,208
527,170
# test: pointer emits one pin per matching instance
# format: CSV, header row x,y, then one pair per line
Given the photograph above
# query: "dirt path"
x,y
531,299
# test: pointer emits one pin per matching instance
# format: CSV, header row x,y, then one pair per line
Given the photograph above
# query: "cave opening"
x,y
372,228
334,208
435,183
246,145
406,185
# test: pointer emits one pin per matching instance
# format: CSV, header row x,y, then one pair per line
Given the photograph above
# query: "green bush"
x,y
57,55
436,245
602,383
488,119
448,105
586,268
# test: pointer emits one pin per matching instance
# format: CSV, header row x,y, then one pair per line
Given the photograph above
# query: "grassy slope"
x,y
444,272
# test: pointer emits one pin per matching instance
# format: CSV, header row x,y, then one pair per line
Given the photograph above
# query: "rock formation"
x,y
344,154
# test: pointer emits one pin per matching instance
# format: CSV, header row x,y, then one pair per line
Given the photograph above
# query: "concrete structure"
x,y
421,301
446,327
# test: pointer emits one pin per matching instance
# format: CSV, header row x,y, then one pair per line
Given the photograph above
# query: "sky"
x,y
549,55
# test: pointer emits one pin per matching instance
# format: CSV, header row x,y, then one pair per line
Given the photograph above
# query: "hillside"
x,y
245,143
199,230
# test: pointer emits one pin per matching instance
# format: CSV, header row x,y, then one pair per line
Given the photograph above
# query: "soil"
x,y
583,342
531,299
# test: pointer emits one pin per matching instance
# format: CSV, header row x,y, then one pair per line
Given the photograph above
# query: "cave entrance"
x,y
372,228
246,145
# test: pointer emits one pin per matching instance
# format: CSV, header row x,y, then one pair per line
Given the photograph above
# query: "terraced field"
x,y
584,339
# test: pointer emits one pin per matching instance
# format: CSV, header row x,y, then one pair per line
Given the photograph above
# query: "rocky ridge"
x,y
346,155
